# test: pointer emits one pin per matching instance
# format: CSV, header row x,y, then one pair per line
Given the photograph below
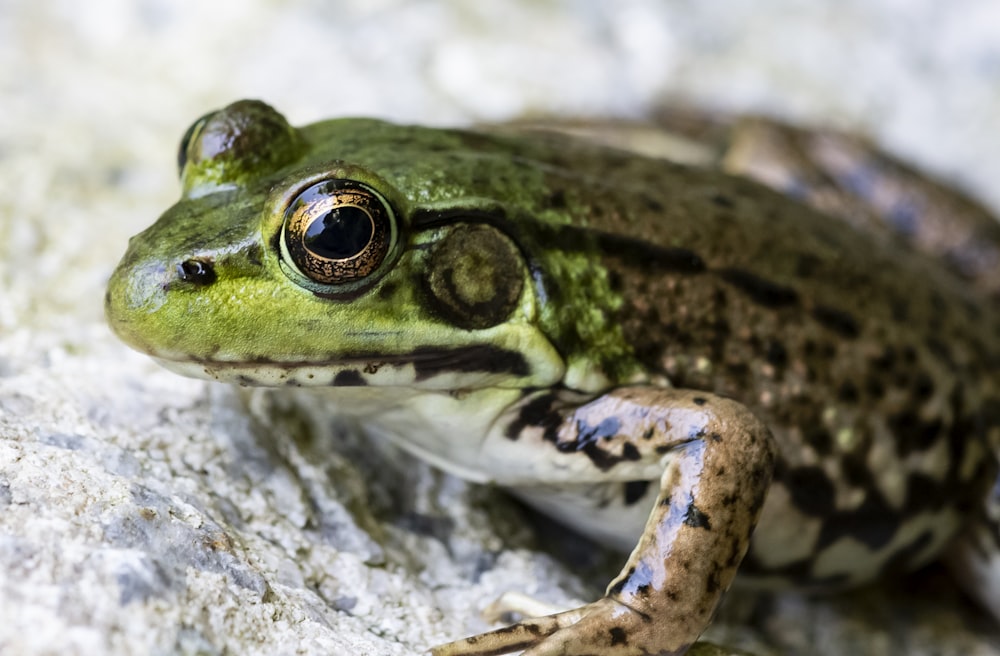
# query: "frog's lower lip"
x,y
432,366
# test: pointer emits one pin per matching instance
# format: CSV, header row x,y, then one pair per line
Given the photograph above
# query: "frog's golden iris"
x,y
337,231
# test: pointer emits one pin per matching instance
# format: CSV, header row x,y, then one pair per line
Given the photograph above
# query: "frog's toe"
x,y
605,627
609,628
509,639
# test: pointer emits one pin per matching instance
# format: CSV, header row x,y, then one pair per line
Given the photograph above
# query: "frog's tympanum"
x,y
794,378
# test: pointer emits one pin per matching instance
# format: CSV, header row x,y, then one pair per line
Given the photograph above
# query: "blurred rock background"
x,y
141,513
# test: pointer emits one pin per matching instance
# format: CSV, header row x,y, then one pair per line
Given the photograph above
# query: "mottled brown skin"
x,y
819,329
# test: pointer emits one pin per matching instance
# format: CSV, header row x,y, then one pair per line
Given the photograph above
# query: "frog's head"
x,y
325,256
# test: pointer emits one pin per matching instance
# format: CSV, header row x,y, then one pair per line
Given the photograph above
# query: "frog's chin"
x,y
436,369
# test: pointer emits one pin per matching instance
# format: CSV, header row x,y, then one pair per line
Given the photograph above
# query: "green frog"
x,y
792,378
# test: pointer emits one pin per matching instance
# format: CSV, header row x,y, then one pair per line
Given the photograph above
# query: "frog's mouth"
x,y
430,367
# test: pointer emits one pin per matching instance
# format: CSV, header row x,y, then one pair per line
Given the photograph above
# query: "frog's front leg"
x,y
716,459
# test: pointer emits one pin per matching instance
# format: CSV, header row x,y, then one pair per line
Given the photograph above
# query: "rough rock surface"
x,y
142,513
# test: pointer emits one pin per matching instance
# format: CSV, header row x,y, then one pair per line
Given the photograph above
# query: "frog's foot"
x,y
715,461
606,627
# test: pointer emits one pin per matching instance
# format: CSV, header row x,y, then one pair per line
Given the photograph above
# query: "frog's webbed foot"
x,y
716,460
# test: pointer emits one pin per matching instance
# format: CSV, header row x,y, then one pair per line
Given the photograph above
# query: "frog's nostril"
x,y
196,272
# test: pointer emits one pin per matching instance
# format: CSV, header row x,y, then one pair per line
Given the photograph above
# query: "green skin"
x,y
606,334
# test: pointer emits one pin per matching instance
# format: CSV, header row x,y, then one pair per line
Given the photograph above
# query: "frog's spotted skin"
x,y
640,349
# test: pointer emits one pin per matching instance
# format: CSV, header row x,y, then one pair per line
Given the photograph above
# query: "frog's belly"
x,y
789,548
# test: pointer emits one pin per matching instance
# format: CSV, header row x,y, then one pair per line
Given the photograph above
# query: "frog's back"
x,y
872,364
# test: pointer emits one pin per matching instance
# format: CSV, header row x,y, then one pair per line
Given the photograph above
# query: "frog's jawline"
x,y
358,369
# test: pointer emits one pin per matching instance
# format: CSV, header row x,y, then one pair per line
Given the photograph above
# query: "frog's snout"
x,y
136,290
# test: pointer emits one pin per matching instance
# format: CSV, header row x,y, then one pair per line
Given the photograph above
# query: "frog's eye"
x,y
337,231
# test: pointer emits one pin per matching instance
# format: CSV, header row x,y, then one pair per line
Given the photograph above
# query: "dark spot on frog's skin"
x,y
923,493
387,290
874,387
729,499
630,452
557,199
840,322
589,438
616,283
429,361
635,491
922,387
649,433
245,381
695,518
722,200
940,350
856,472
873,523
537,412
800,571
348,378
848,392
904,559
776,354
760,290
818,438
738,370
647,256
618,636
713,583
811,490
912,433
886,360
699,400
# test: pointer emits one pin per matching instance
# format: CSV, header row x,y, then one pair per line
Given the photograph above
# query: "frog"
x,y
766,356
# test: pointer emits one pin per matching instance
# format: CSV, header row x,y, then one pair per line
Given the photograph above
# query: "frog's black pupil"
x,y
341,233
